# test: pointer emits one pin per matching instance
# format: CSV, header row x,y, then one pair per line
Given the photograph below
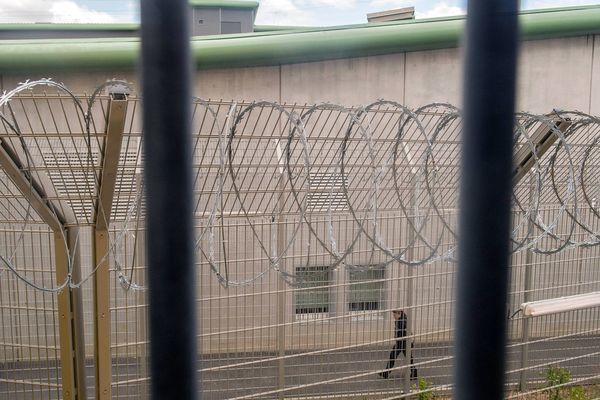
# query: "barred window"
x,y
366,289
312,296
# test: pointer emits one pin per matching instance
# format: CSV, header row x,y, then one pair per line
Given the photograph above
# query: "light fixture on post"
x,y
560,304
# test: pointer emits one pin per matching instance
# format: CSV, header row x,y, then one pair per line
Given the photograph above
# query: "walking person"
x,y
401,322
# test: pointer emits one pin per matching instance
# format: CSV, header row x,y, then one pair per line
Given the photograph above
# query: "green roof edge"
x,y
276,28
274,48
68,27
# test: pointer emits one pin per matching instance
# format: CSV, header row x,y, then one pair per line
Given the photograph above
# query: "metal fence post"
x,y
117,111
523,376
485,198
74,241
70,316
141,295
409,286
280,282
166,83
102,351
65,318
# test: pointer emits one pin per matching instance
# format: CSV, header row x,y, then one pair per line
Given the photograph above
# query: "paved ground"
x,y
304,373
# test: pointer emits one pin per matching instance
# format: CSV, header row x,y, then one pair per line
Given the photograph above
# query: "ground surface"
x,y
305,374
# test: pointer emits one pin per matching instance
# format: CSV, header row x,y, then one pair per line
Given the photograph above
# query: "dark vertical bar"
x,y
485,198
166,84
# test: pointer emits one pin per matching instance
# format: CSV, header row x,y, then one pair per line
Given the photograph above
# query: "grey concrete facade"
x,y
553,74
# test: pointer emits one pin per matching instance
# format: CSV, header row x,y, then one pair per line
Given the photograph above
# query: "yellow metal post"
x,y
117,111
77,312
70,316
102,317
65,318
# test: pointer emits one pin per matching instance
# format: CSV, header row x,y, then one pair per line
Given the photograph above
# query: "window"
x,y
312,296
366,289
231,27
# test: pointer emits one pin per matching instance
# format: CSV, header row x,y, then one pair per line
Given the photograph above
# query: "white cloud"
x,y
282,12
69,11
391,4
299,12
341,4
441,9
49,11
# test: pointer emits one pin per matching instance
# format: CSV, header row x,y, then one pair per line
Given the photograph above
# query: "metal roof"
x,y
285,47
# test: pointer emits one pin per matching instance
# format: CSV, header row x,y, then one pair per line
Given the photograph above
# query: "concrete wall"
x,y
553,74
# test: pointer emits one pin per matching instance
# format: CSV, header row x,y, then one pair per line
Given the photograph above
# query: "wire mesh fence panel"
x,y
129,336
29,342
313,223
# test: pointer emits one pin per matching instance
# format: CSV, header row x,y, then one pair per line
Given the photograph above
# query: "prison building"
x,y
206,17
326,170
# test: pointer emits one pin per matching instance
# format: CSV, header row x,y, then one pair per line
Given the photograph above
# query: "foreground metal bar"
x,y
166,83
485,198
117,110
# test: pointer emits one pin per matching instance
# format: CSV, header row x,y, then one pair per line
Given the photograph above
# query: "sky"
x,y
270,12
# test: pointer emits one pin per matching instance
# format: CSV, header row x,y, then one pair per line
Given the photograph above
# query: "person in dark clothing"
x,y
400,346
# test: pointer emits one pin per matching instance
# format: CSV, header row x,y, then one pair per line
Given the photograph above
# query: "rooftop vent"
x,y
392,15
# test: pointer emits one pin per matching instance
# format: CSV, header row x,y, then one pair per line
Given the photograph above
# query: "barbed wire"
x,y
427,173
285,170
28,171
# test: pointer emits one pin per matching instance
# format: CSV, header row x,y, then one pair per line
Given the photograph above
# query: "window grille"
x,y
313,294
365,292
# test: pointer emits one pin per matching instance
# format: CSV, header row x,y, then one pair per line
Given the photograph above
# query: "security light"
x,y
560,304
